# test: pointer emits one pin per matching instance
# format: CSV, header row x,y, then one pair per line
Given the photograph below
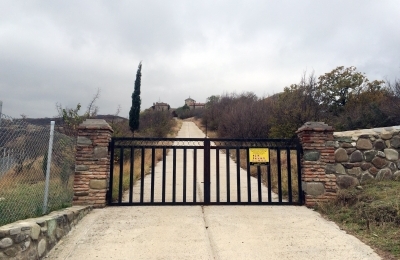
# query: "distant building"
x,y
192,104
160,106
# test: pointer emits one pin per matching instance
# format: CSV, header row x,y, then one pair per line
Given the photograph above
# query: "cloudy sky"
x,y
63,51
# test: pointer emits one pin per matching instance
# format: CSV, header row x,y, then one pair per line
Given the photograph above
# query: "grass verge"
x,y
372,214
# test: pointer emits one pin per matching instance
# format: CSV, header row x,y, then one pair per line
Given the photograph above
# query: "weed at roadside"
x,y
372,214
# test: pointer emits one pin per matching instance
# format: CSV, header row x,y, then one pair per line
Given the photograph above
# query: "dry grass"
x,y
274,170
175,129
22,194
136,170
138,164
371,214
197,121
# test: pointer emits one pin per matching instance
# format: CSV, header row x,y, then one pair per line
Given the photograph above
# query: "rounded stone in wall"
x,y
381,154
369,155
346,181
339,169
373,170
391,154
392,166
311,155
341,155
396,176
346,145
379,145
41,247
356,171
384,174
395,142
386,136
366,166
356,156
350,150
364,144
366,176
379,162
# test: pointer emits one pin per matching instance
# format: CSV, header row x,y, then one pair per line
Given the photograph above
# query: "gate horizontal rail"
x,y
199,171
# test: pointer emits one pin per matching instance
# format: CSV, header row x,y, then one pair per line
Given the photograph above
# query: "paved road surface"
x,y
212,232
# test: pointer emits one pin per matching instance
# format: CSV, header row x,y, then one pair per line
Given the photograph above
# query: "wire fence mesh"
x,y
23,166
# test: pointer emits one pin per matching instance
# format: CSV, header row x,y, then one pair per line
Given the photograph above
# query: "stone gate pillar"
x,y
318,162
92,165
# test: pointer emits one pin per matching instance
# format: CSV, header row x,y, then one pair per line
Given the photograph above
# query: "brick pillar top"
x,y
95,124
315,126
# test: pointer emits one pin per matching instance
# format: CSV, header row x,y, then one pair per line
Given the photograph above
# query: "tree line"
x,y
343,98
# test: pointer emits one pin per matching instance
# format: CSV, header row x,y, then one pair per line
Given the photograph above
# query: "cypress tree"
x,y
135,108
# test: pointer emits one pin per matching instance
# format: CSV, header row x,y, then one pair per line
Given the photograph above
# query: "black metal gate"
x,y
204,171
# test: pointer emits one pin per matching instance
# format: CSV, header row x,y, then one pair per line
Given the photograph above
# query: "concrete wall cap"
x,y
95,124
315,126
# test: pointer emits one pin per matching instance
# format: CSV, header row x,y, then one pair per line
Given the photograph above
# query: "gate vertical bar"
x,y
259,183
238,174
289,174
153,158
248,176
300,191
131,175
228,184
121,173
173,174
269,179
207,169
184,174
279,174
194,173
217,173
142,176
110,186
164,173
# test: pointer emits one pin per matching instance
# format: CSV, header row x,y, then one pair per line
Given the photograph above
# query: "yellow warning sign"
x,y
259,155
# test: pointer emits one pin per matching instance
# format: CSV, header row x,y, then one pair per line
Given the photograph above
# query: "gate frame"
x,y
278,144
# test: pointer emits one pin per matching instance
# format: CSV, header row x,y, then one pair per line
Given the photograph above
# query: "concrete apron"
x,y
212,232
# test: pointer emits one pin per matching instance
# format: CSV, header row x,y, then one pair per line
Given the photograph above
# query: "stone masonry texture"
x,y
92,163
374,155
318,175
342,160
33,238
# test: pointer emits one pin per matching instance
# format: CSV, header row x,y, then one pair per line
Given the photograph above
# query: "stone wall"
x,y
367,154
33,238
92,163
338,160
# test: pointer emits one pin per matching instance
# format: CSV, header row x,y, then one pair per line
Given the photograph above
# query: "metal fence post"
x,y
1,108
207,165
46,189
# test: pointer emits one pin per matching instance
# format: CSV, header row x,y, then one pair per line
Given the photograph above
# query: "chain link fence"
x,y
25,192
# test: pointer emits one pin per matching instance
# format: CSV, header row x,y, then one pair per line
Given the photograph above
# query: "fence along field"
x,y
23,165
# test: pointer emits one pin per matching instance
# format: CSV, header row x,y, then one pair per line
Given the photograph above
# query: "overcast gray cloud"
x,y
63,51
